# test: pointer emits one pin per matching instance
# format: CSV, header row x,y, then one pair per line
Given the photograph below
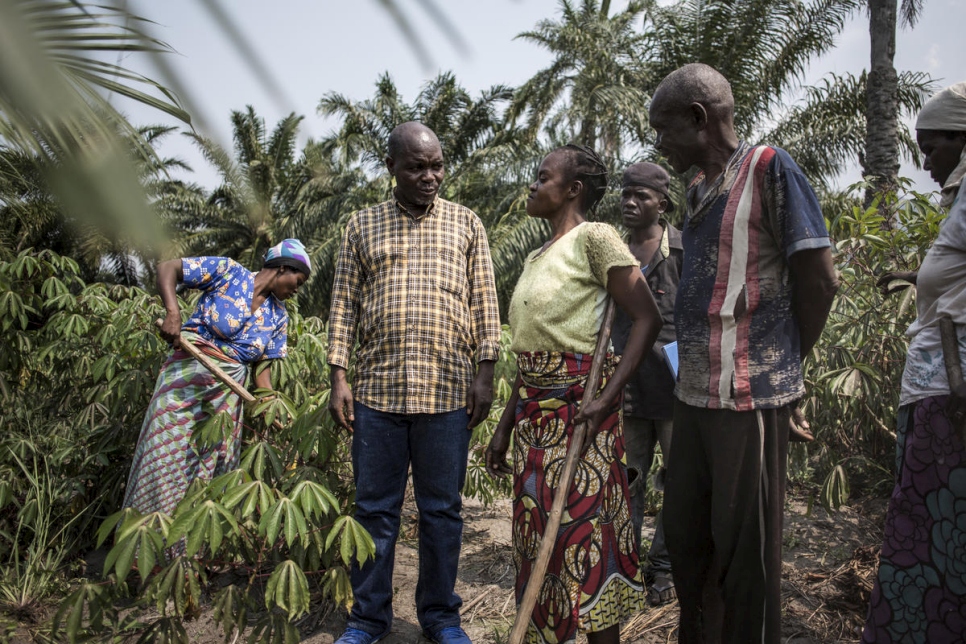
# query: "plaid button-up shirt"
x,y
421,295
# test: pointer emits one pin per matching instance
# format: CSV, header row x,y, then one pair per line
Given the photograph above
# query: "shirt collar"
x,y
664,248
429,211
696,208
665,242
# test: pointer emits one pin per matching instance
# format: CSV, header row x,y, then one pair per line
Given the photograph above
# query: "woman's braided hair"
x,y
589,169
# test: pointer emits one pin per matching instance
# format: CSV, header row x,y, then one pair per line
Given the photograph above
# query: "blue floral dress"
x,y
223,316
167,458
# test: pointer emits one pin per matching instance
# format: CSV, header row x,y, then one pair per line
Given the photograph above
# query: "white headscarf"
x,y
946,111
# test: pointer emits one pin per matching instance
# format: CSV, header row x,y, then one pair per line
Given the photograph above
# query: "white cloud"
x,y
932,58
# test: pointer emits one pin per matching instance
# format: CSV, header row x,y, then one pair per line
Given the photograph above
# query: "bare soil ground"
x,y
829,562
827,574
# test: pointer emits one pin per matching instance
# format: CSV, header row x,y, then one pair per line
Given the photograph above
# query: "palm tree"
x,y
606,68
463,124
764,48
595,88
326,191
33,214
54,107
252,209
827,130
29,214
488,165
270,191
365,125
55,104
53,84
881,158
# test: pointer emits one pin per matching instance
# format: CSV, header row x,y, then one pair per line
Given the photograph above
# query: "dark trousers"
x,y
383,447
640,437
723,510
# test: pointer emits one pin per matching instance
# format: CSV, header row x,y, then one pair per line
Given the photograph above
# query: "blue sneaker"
x,y
449,635
355,636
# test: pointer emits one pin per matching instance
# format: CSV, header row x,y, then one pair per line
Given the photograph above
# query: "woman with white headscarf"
x,y
920,587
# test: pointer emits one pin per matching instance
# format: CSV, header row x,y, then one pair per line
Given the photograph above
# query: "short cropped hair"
x,y
698,83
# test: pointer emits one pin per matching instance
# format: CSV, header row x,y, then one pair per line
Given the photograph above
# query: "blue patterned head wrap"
x,y
290,252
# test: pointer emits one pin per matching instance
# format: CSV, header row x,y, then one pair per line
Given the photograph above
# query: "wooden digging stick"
x,y
954,370
549,538
217,371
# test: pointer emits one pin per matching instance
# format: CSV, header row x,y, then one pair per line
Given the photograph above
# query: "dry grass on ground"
x,y
829,562
827,574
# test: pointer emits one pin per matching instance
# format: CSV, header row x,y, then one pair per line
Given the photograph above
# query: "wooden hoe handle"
x,y
217,371
954,370
549,538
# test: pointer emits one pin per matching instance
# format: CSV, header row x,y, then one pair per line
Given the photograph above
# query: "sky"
x,y
313,47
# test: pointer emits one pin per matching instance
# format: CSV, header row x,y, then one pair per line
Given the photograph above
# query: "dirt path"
x,y
828,564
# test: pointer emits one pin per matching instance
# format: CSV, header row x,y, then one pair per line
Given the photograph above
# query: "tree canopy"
x,y
88,205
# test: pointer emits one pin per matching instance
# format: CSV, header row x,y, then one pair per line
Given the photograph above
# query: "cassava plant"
x,y
854,373
262,544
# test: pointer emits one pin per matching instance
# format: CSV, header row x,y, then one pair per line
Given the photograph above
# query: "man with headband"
x,y
649,396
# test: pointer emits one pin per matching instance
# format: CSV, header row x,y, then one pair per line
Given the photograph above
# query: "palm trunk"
x,y
588,130
881,161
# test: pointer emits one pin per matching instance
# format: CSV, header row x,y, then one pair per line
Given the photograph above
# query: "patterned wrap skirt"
x,y
167,460
919,593
593,579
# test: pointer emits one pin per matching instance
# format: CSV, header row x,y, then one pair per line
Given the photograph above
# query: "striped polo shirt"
x,y
738,339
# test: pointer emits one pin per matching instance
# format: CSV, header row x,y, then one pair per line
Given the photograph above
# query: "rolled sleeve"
x,y
484,306
808,244
488,351
796,214
344,309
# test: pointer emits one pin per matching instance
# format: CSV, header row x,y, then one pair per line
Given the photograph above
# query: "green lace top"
x,y
558,303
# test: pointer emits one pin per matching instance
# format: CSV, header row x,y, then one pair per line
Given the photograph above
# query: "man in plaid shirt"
x,y
415,282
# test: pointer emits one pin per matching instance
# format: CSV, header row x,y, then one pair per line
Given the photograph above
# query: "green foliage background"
x,y
77,368
87,207
854,373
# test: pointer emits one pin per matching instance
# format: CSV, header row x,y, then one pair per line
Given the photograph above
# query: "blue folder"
x,y
670,351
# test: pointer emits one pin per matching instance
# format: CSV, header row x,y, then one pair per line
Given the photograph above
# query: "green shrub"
x,y
78,364
855,371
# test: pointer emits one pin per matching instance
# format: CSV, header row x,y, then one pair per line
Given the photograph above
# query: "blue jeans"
x,y
383,446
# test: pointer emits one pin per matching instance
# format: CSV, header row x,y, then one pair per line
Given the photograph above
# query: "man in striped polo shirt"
x,y
756,287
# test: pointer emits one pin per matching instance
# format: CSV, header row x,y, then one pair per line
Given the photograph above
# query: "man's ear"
x,y
699,115
391,166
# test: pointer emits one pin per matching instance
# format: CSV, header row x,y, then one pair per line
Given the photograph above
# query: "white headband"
x,y
946,110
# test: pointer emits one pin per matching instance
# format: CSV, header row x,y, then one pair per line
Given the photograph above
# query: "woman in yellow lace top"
x,y
593,579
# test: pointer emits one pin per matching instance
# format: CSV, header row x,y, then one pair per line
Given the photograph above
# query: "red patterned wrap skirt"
x,y
593,579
